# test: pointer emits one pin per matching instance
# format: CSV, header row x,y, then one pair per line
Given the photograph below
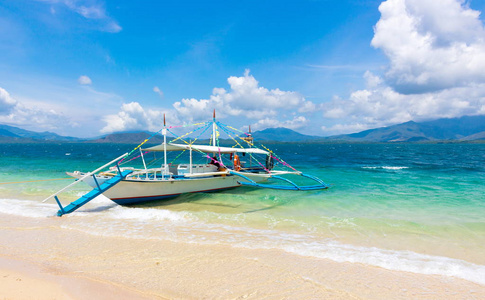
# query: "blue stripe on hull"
x,y
129,201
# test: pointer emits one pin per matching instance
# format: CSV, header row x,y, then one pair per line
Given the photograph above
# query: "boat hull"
x,y
133,191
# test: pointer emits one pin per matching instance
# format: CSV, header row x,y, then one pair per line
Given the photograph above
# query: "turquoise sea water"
x,y
409,207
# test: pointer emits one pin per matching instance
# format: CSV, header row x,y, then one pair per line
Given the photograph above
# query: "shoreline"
x,y
159,269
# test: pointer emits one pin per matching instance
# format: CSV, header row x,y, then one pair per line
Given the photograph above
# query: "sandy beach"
x,y
40,260
27,280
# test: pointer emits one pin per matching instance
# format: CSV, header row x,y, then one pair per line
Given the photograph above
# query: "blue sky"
x,y
90,67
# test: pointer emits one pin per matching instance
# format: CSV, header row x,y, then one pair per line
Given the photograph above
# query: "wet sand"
x,y
56,263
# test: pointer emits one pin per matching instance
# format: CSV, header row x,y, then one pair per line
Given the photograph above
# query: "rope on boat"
x,y
207,125
279,159
223,127
146,140
35,180
186,125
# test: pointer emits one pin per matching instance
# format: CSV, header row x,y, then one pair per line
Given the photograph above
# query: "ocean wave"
x,y
385,167
406,261
152,223
27,208
397,260
195,232
146,214
37,209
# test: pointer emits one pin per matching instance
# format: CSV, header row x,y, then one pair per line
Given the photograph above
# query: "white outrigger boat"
x,y
221,168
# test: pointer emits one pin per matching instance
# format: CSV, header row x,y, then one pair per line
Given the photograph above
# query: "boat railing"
x,y
183,170
207,174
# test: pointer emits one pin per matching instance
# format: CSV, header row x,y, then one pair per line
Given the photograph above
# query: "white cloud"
x,y
436,52
345,128
373,106
379,105
89,12
295,123
89,9
157,90
193,109
7,103
431,45
17,113
112,27
84,80
245,98
133,116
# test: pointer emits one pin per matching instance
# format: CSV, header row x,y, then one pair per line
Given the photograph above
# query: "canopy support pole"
x,y
144,164
164,132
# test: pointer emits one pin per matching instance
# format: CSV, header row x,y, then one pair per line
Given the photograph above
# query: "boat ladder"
x,y
101,188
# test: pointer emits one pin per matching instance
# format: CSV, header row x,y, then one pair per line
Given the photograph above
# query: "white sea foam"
x,y
146,214
26,208
385,167
307,245
36,209
407,261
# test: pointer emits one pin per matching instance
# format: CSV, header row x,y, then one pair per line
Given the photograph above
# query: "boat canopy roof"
x,y
206,149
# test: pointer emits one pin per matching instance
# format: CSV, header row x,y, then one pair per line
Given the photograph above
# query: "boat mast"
x,y
164,132
251,141
190,162
214,132
214,129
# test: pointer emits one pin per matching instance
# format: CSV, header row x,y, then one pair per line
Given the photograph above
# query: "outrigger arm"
x,y
293,187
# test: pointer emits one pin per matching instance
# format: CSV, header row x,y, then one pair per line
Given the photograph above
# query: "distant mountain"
x,y
129,138
475,137
10,134
14,134
6,133
282,134
270,134
468,128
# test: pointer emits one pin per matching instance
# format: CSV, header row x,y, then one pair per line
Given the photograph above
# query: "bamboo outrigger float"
x,y
221,168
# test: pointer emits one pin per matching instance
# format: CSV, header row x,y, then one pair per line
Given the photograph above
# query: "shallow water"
x,y
409,207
